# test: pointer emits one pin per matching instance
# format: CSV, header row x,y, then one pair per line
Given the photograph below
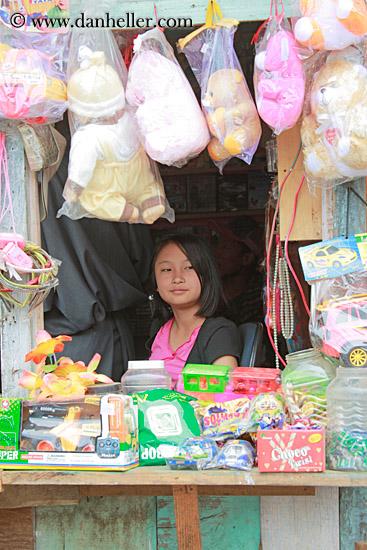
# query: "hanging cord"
x,y
286,248
286,303
268,254
7,205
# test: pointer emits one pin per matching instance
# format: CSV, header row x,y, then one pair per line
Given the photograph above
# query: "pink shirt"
x,y
174,361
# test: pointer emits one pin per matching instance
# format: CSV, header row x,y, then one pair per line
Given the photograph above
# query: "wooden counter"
x,y
23,490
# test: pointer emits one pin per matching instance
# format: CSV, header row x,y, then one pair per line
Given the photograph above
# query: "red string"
x,y
156,18
128,50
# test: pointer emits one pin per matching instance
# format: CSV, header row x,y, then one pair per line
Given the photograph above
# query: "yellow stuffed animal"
x,y
232,116
334,133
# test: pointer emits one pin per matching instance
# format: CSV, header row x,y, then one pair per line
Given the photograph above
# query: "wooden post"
x,y
187,517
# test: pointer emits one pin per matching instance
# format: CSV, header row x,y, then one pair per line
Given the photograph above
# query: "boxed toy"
x,y
92,433
291,450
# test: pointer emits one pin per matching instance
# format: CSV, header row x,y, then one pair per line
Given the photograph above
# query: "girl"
x,y
186,298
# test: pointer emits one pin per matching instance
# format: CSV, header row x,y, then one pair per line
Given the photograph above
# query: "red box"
x,y
291,450
254,380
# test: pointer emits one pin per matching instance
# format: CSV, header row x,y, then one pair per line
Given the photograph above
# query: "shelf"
x,y
200,218
169,171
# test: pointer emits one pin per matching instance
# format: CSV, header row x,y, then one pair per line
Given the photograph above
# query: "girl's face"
x,y
177,281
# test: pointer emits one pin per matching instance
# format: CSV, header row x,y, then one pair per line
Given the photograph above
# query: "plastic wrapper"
x,y
193,454
169,118
32,76
221,421
334,127
267,410
330,24
338,321
279,82
110,175
234,455
166,419
225,97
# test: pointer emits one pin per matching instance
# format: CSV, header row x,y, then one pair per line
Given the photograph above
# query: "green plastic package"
x,y
166,418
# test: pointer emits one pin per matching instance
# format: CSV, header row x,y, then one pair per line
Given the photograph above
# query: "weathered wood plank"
x,y
226,490
360,546
186,503
229,522
355,222
163,476
22,497
296,522
353,517
110,523
243,11
16,529
308,221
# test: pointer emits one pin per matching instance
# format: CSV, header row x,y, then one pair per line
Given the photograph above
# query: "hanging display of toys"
x,y
26,274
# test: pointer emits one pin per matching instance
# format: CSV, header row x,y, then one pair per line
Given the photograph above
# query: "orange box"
x,y
291,450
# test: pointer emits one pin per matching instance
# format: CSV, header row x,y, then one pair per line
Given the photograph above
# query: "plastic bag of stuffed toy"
x,y
110,175
279,82
32,76
168,115
225,98
330,24
334,127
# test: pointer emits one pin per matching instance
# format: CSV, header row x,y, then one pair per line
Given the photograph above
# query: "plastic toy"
x,y
110,176
193,454
342,324
331,24
27,89
205,378
279,81
335,128
254,380
168,114
234,455
330,256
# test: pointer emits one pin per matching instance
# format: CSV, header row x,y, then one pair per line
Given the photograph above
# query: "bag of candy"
x,y
234,455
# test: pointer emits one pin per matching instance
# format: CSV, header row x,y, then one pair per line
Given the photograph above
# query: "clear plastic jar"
x,y
304,383
145,375
346,432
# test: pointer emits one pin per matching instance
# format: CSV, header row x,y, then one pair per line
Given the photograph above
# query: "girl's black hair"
x,y
200,256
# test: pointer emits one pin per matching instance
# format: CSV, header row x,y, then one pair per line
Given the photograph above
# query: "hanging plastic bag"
x,y
279,82
225,97
32,76
330,24
110,175
334,127
338,320
169,117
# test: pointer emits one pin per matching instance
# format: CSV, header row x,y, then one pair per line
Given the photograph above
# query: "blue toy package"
x,y
334,257
234,455
193,454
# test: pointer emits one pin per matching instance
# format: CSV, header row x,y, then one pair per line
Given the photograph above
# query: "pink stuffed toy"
x,y
331,24
279,82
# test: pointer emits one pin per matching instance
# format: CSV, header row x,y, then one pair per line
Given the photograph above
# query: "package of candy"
x,y
193,454
267,410
234,455
221,421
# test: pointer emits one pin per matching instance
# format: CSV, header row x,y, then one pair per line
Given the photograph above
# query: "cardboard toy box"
x,y
93,433
291,450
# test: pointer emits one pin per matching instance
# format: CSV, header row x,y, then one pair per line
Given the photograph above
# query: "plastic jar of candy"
x,y
304,383
346,432
145,375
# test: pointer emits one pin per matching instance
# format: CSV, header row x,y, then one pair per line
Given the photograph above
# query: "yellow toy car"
x,y
330,256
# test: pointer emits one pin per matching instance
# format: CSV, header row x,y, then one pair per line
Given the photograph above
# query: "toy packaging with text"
x,y
92,433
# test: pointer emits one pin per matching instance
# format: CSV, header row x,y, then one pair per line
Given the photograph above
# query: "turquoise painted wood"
x,y
227,522
357,210
256,10
108,523
353,517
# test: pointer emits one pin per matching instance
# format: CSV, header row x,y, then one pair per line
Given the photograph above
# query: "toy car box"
x,y
291,450
93,433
